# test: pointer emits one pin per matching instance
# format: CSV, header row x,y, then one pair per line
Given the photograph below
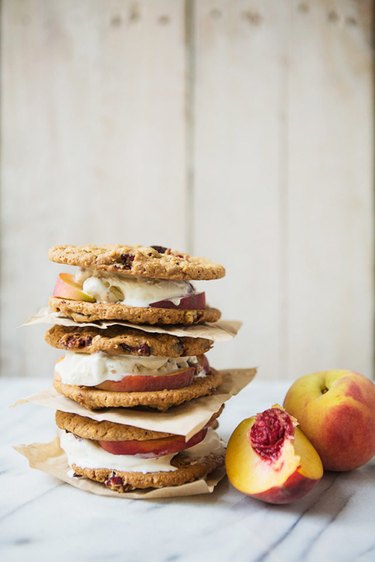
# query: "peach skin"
x,y
67,288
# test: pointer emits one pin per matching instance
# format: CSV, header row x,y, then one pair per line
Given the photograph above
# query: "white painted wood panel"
x,y
238,121
93,138
329,244
283,178
240,130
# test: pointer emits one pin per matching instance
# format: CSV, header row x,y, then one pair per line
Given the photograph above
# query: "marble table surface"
x,y
43,519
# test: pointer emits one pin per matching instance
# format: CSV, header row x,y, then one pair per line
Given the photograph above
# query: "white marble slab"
x,y
44,520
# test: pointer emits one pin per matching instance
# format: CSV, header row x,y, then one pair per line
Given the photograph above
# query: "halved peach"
x,y
270,459
67,288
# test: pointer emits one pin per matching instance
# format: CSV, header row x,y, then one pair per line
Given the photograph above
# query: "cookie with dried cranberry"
x,y
87,428
95,398
81,311
156,262
188,470
119,340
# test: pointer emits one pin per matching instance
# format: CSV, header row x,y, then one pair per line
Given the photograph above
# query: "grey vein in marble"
x,y
43,520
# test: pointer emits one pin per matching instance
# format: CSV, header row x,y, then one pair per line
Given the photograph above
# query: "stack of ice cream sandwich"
x,y
127,367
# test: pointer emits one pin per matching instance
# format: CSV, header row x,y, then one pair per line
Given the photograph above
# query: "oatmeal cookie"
x,y
188,470
81,311
119,340
87,428
156,262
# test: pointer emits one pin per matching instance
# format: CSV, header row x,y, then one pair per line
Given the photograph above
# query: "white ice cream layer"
x,y
88,454
210,444
132,292
94,368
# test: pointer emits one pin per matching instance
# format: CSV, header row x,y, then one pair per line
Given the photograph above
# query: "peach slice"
x,y
270,459
153,447
189,302
67,288
145,383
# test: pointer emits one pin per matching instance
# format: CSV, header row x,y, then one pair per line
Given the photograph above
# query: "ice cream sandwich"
x,y
125,367
126,458
137,284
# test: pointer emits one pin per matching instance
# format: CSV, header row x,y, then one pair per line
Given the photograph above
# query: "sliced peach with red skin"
x,y
153,447
167,381
194,301
143,383
270,459
67,288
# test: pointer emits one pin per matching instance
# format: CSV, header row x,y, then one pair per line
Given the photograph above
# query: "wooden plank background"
x,y
240,130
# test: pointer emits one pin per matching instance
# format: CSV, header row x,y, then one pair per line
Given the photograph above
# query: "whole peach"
x,y
336,411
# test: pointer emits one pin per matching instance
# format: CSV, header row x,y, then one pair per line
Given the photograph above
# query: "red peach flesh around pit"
x,y
268,433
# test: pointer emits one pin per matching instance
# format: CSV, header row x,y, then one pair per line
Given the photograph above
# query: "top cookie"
x,y
154,262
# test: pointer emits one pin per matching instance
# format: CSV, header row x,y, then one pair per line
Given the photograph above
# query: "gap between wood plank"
x,y
372,48
283,202
189,14
1,156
